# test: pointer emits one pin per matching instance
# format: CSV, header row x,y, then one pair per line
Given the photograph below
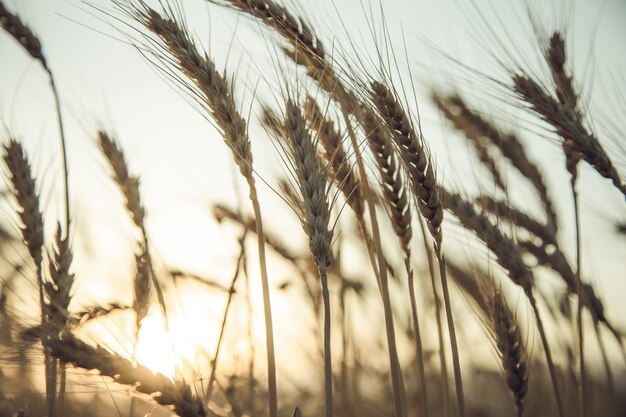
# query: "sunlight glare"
x,y
160,352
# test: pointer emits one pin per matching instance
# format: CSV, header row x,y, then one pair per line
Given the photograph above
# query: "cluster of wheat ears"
x,y
373,164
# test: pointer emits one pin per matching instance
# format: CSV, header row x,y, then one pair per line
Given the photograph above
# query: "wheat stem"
x,y
421,373
445,393
579,304
269,330
546,347
231,293
456,366
328,373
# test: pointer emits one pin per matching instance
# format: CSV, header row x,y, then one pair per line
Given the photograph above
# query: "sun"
x,y
161,352
154,350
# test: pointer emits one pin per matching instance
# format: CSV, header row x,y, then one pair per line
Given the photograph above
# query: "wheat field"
x,y
265,208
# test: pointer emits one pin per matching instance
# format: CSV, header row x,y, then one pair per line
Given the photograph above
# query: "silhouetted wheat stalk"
x,y
219,101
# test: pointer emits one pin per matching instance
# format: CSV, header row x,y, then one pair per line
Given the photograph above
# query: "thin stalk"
x,y
251,380
231,292
458,382
328,372
49,361
66,194
607,366
66,190
546,347
346,392
582,394
269,330
133,359
418,341
445,394
396,372
62,388
51,384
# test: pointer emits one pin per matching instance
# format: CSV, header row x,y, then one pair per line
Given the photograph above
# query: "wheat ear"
x,y
334,152
58,290
511,347
508,339
472,133
503,210
510,259
341,171
25,193
567,125
472,124
164,391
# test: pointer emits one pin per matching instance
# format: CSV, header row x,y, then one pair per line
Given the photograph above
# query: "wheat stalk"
x,y
313,199
129,186
218,97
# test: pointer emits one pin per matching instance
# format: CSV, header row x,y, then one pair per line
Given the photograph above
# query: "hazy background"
x,y
185,168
